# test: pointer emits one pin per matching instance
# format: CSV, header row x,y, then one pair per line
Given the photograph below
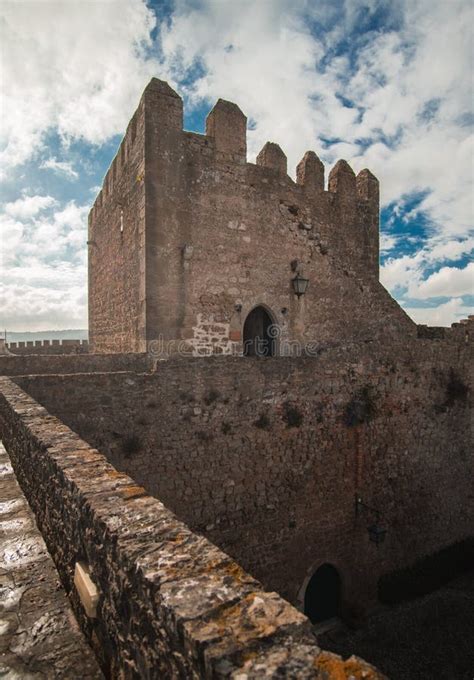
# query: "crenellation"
x,y
310,174
368,188
181,188
342,181
227,126
163,106
271,156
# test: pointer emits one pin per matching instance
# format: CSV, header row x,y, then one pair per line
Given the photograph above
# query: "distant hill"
x,y
69,334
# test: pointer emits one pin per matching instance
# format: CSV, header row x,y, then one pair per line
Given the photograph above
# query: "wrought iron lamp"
x,y
300,284
377,533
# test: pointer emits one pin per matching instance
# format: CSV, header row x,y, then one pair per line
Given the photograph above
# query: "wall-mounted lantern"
x,y
300,284
376,532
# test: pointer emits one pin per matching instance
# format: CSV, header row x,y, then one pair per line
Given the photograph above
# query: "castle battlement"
x,y
185,232
225,141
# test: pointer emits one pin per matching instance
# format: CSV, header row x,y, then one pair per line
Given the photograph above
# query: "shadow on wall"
x,y
427,574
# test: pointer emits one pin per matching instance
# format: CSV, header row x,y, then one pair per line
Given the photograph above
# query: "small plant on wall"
x,y
204,436
263,422
226,428
131,445
361,408
212,396
456,390
292,415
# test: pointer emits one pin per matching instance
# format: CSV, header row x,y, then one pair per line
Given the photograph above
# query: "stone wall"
x,y
171,604
39,636
116,250
206,237
265,456
33,364
49,347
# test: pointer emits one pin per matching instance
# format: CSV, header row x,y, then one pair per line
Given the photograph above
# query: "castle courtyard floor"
x,y
425,639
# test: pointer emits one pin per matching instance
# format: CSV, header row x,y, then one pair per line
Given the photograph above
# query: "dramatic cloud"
x,y
448,281
383,84
388,97
70,67
406,273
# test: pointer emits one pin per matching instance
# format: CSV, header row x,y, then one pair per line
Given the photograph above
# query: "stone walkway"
x,y
39,636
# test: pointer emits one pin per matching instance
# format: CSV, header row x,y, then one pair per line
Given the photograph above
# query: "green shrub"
x,y
212,396
187,397
292,415
456,390
204,436
131,444
360,409
263,422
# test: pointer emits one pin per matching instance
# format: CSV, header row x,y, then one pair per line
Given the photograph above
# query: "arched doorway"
x,y
322,599
259,338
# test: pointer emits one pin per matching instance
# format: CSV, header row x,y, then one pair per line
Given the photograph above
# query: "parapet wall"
x,y
266,456
39,635
172,605
67,346
39,364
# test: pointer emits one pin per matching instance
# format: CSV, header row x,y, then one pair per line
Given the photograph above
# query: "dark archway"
x,y
322,599
259,336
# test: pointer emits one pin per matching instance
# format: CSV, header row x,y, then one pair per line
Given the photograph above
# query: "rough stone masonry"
x,y
186,238
193,250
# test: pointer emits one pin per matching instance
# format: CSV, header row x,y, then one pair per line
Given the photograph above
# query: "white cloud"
x,y
405,86
29,206
406,273
73,67
60,167
387,242
406,120
446,282
43,273
32,308
442,315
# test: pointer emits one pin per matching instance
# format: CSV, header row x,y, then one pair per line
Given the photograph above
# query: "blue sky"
x,y
385,85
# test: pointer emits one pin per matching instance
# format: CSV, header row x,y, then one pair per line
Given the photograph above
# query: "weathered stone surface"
x,y
172,605
44,347
208,236
39,636
214,444
35,364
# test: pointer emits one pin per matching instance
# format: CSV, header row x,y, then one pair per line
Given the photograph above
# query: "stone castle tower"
x,y
192,246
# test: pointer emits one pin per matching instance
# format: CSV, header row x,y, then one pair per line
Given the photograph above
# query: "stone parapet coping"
x,y
172,605
39,636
